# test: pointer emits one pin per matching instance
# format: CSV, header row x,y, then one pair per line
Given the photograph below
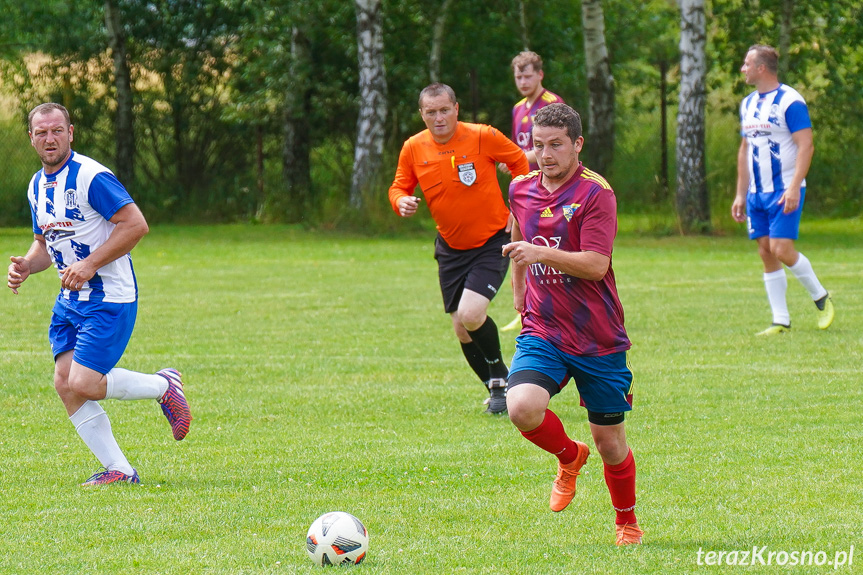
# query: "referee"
x,y
454,163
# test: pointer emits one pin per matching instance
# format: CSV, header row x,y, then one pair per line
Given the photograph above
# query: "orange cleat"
x,y
628,534
563,487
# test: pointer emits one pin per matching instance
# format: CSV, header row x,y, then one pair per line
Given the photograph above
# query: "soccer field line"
x,y
762,369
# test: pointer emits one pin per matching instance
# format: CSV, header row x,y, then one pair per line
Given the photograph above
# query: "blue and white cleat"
x,y
174,404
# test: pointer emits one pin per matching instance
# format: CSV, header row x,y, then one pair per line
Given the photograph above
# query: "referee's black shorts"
x,y
481,270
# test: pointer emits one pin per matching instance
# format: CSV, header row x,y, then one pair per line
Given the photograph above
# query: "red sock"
x,y
620,479
551,437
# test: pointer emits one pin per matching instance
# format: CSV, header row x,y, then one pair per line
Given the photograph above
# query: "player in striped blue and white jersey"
x,y
85,224
774,157
72,209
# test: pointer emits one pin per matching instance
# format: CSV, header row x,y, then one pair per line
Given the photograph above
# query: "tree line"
x,y
218,110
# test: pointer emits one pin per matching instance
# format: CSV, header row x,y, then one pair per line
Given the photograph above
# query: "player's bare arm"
x,y
738,207
519,271
36,260
584,265
510,222
130,228
790,199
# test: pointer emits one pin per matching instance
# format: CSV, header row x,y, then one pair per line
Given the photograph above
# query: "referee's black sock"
x,y
476,360
487,340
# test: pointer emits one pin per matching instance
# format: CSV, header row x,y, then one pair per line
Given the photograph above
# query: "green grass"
x,y
324,376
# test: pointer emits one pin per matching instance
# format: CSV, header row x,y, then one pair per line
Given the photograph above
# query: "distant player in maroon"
x,y
563,285
527,70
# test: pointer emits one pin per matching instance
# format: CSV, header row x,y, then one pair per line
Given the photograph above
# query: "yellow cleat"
x,y
513,325
775,329
826,315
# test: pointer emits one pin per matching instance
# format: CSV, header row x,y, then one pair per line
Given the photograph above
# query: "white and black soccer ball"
x,y
337,538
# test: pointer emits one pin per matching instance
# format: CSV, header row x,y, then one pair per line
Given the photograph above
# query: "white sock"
x,y
803,271
92,424
125,384
776,284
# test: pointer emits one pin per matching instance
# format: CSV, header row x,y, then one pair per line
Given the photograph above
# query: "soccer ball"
x,y
337,538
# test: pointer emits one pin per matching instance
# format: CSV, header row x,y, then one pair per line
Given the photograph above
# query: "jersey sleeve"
x,y
797,117
740,114
599,225
107,195
36,229
405,181
505,151
31,201
551,98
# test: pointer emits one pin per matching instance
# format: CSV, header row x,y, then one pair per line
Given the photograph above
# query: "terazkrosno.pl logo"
x,y
765,556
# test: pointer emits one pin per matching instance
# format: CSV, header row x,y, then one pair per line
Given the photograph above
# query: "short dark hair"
x,y
766,55
437,89
525,59
559,116
44,109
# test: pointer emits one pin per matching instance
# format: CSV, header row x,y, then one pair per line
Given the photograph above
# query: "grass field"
x,y
323,375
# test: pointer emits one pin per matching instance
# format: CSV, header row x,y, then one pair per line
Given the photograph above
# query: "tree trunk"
x,y
373,99
259,162
474,95
291,201
693,206
663,127
437,41
785,35
599,144
522,20
124,126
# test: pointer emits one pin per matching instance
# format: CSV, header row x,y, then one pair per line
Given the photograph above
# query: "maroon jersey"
x,y
577,316
522,119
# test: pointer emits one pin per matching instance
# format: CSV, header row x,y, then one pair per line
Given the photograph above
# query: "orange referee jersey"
x,y
459,181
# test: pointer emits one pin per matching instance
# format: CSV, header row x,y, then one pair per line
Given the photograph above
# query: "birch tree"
x,y
693,207
437,41
599,145
522,25
373,102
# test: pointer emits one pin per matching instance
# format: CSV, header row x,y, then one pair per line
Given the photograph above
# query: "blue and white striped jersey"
x,y
71,209
767,122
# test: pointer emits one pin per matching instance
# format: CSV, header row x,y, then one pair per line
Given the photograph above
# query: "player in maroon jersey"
x,y
564,287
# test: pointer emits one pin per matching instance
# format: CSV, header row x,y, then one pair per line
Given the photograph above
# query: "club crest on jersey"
x,y
467,173
71,199
546,213
569,211
773,118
